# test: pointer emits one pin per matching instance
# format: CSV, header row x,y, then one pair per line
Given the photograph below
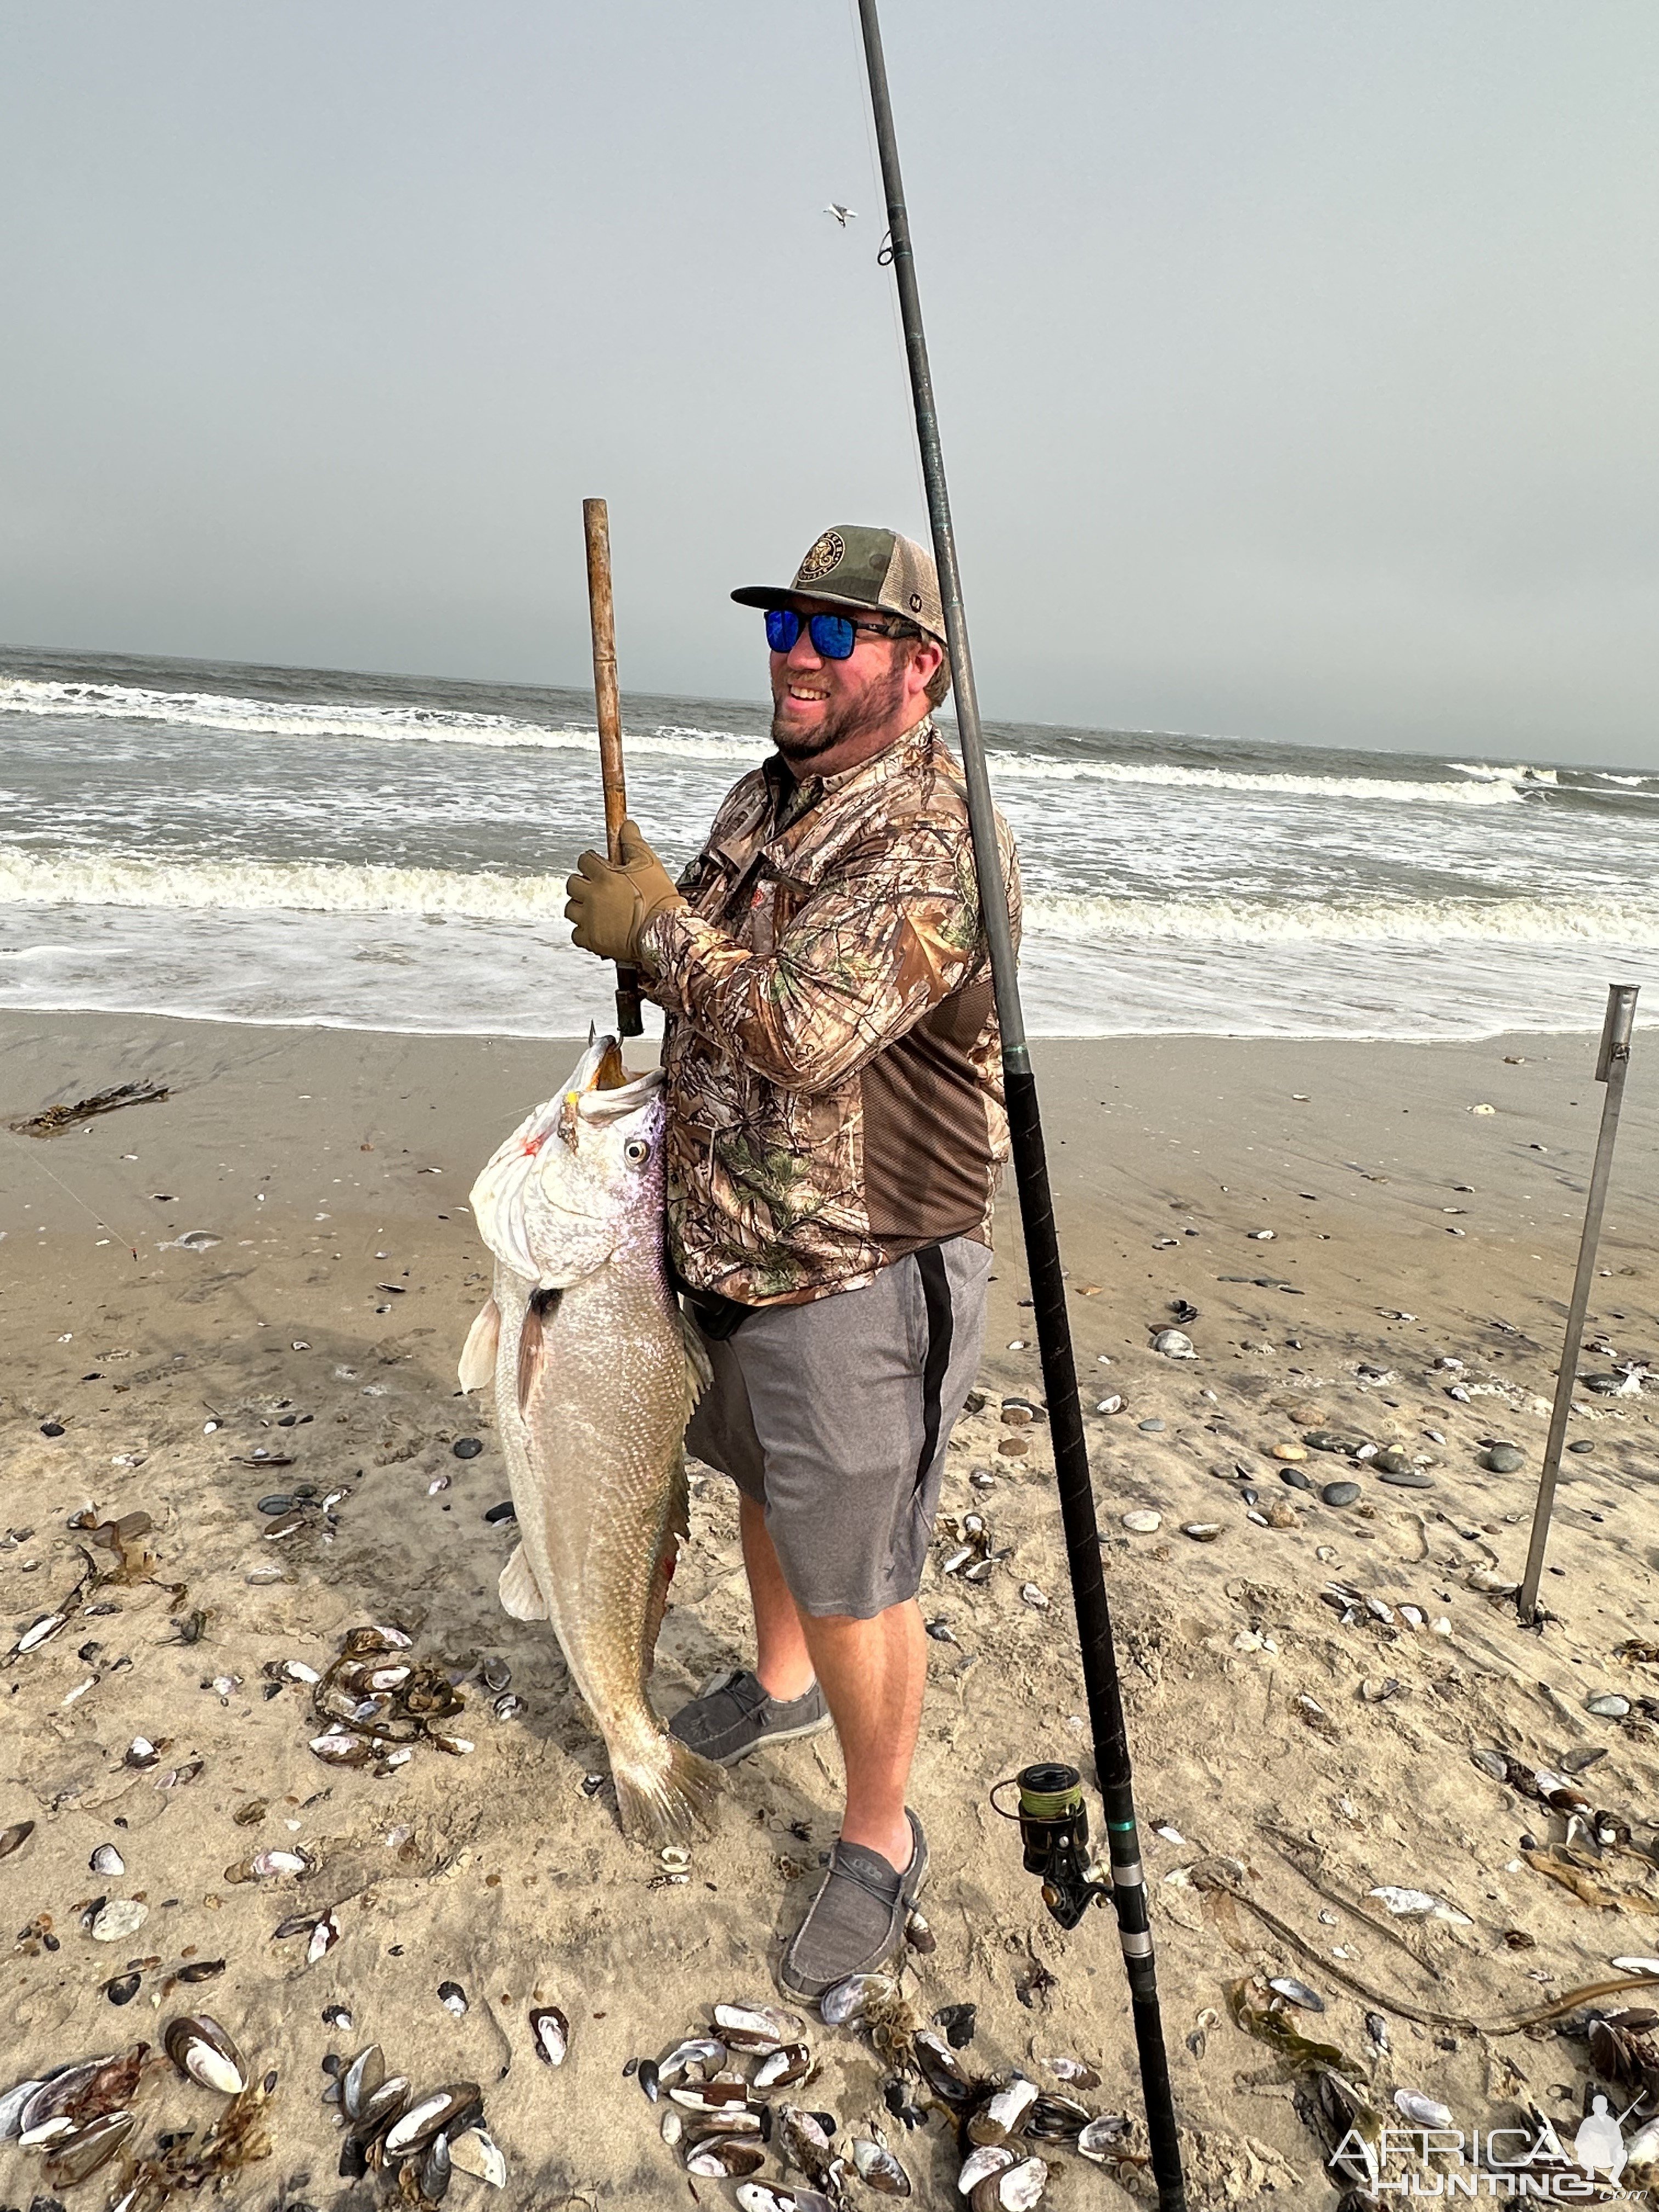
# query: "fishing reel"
x,y
1054,1827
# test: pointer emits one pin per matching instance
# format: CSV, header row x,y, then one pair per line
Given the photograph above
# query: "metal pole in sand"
x,y
1610,1068
1111,1742
601,611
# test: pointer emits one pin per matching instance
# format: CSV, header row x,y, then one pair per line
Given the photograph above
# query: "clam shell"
x,y
1296,1993
757,2026
721,2158
1422,2112
200,2048
1015,2189
1077,2071
325,1935
432,2114
1102,2135
121,1917
763,2196
106,1860
1174,1344
988,2159
1004,2114
474,2153
781,2069
878,2169
1202,1532
849,2001
551,2032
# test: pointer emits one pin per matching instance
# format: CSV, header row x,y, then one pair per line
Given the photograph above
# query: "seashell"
x,y
551,2032
325,1935
200,2048
176,1777
762,2196
453,1997
1621,1965
801,2139
1296,1993
341,1748
1489,1583
703,2051
106,1860
122,1989
1493,1765
1419,1904
1174,1344
849,2001
265,1864
1202,1532
1097,2139
509,1705
1004,2114
1609,1706
77,2156
918,1932
673,2127
988,2159
459,1745
140,1752
1376,1689
296,1670
782,2068
383,2104
722,2157
1077,2071
937,2062
1378,2028
45,2101
434,2113
121,1917
435,2170
1056,2119
878,2169
1643,2150
1112,1404
1422,2112
1031,1595
33,1637
1016,2189
1143,1521
361,2080
14,1838
12,2104
716,2094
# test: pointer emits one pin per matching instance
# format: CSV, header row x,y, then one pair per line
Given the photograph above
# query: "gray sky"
x,y
1297,363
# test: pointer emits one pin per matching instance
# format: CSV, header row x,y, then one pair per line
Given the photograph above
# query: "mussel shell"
x,y
435,2112
702,2127
1296,1993
762,2196
361,2080
718,2158
14,1838
551,2032
72,2158
435,2170
106,1860
1055,2119
383,2105
988,2159
12,2104
848,2002
703,2051
57,2091
1004,2114
201,2049
121,1989
1015,2189
938,2066
1102,2136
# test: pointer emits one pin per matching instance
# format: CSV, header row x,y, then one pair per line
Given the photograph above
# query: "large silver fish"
x,y
595,1377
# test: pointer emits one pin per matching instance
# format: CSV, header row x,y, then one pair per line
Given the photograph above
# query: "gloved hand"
x,y
610,905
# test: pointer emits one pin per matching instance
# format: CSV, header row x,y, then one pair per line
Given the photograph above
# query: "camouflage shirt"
x,y
833,1064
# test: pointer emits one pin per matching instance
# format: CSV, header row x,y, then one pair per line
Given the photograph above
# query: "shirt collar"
x,y
888,761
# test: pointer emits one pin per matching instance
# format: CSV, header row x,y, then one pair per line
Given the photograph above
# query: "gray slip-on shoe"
x,y
855,1924
734,1715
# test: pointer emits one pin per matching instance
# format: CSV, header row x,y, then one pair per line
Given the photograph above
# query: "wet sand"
x,y
332,1169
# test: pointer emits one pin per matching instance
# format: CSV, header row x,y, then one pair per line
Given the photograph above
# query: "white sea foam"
x,y
413,725
317,887
1521,773
1493,923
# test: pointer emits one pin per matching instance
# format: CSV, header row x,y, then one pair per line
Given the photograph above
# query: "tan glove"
x,y
610,905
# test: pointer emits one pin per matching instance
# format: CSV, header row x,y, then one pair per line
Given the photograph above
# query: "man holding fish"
x,y
832,1137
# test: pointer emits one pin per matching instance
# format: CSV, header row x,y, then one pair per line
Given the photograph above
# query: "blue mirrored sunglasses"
x,y
832,636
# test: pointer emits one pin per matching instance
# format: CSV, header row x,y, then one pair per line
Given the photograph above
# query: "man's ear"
x,y
926,660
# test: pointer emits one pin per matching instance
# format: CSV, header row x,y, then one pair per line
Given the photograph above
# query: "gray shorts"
x,y
835,1416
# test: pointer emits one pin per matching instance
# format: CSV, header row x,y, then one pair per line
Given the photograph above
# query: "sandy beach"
x,y
257,1288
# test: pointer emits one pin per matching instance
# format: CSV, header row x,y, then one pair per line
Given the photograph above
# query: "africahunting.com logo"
x,y
1526,2165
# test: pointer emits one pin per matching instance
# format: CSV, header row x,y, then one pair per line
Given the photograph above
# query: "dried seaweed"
x,y
52,1120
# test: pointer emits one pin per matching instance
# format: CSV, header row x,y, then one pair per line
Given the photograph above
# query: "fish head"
x,y
582,1178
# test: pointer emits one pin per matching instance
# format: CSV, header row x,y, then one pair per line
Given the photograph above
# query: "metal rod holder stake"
x,y
1611,1065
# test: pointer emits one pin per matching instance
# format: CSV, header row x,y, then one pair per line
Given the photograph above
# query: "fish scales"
x,y
593,1376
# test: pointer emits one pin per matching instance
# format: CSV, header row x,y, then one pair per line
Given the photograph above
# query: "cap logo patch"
x,y
915,603
827,554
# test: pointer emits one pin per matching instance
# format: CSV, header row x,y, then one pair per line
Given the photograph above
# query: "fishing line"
x,y
74,1196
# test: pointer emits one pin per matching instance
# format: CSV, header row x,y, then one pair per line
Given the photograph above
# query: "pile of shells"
x,y
1587,1824
719,2119
422,2138
967,1547
377,1704
81,2116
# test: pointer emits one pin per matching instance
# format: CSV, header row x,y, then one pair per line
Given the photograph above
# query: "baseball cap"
x,y
853,566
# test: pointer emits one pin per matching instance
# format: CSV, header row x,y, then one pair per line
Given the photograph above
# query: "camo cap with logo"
x,y
851,566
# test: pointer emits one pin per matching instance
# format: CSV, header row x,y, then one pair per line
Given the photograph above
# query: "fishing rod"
x,y
1049,1802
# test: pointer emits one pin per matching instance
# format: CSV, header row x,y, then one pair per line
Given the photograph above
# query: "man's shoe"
x,y
855,1924
735,1715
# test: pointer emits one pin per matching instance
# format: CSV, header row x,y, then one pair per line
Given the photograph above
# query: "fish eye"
x,y
636,1150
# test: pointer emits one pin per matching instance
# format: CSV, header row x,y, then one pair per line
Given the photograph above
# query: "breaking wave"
x,y
1429,921
415,724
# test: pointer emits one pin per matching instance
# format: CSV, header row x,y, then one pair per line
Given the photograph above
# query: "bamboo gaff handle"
x,y
596,524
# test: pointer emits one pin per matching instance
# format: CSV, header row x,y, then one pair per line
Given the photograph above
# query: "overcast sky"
x,y
1297,362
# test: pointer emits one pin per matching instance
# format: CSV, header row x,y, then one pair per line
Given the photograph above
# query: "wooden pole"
x,y
607,700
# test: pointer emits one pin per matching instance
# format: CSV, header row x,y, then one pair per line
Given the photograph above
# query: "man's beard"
x,y
880,703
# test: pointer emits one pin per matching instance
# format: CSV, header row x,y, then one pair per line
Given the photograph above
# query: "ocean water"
x,y
303,846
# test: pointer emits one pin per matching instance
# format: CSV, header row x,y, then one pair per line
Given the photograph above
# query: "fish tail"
x,y
671,1798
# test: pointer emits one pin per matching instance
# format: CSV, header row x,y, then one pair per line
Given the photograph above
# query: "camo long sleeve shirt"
x,y
833,1059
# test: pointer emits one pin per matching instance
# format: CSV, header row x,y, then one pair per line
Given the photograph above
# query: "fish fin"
x,y
519,1590
532,1349
676,1530
478,1352
698,1372
676,1797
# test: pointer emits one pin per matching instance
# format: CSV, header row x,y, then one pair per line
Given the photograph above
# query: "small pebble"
x,y
1340,1493
1610,1706
1153,1427
1505,1459
466,1447
1581,1444
1202,1532
1143,1521
1411,1479
1288,1451
1294,1476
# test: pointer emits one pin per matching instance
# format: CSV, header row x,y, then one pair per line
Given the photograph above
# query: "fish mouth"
x,y
601,1089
